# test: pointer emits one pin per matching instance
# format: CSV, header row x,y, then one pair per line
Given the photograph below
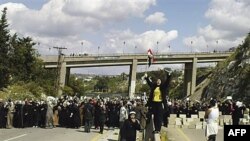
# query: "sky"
x,y
129,26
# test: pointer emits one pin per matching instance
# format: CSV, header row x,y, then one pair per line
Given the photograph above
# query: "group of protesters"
x,y
70,112
234,108
126,114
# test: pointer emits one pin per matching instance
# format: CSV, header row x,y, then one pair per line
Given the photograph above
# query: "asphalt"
x,y
56,134
66,134
182,134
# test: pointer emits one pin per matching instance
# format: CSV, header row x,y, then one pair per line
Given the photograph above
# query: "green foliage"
x,y
68,90
23,59
4,50
22,91
102,84
19,63
77,85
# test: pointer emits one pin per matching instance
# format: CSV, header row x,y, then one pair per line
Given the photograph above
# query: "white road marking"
x,y
15,137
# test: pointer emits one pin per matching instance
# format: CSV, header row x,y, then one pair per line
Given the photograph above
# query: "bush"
x,y
22,91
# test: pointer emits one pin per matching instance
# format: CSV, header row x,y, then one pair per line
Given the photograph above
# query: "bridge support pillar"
x,y
190,77
132,78
67,76
62,77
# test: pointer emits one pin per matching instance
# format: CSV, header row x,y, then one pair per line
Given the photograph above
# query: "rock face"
x,y
232,77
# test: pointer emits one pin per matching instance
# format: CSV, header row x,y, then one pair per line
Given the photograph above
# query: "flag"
x,y
150,57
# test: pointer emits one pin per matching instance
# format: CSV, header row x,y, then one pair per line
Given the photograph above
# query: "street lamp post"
x,y
81,47
98,50
217,42
123,47
157,47
191,46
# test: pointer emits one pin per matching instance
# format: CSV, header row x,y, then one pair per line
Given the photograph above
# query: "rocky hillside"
x,y
232,77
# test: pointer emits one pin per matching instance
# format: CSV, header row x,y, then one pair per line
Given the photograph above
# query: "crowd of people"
x,y
228,107
129,115
71,112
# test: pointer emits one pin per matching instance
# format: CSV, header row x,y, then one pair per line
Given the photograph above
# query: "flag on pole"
x,y
150,57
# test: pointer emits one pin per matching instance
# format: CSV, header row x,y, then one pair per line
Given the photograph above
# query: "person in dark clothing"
x,y
36,114
128,131
237,113
18,115
27,115
62,113
157,101
77,118
43,111
112,115
96,119
70,115
88,113
3,114
102,116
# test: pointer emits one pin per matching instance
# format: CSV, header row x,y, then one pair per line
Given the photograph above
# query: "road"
x,y
56,134
64,134
182,134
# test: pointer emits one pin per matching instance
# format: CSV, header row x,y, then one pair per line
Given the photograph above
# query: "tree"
x,y
23,59
4,50
77,85
19,63
102,84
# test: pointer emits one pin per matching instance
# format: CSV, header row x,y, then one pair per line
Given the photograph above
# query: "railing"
x,y
142,54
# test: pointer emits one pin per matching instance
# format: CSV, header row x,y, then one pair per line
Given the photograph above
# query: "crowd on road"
x,y
236,109
126,114
71,112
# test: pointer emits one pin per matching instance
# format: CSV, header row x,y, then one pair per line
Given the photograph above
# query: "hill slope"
x,y
232,77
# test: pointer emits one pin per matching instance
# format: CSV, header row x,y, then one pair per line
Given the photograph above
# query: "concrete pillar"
x,y
62,77
190,77
67,76
187,79
194,72
132,78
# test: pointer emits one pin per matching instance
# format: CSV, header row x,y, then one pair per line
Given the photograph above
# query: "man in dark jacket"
x,y
88,113
102,116
157,101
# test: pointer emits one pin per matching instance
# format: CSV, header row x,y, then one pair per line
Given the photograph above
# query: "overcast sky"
x,y
83,25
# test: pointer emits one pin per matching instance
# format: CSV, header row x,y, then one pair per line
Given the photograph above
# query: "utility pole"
x,y
59,66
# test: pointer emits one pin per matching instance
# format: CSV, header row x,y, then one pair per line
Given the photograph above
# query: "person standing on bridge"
x,y
157,101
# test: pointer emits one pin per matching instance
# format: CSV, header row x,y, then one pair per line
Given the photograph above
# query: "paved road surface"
x,y
64,134
182,134
56,134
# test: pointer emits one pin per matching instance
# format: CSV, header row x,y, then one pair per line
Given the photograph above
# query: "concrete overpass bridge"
x,y
64,63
